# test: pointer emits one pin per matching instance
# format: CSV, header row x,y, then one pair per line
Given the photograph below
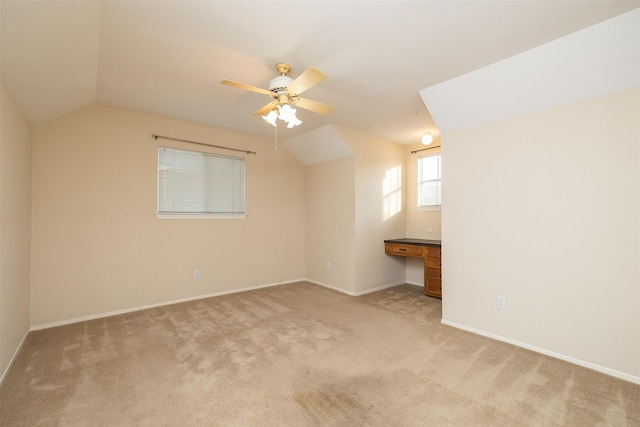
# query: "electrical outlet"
x,y
196,274
501,302
328,265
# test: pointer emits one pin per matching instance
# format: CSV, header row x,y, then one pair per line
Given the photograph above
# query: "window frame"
x,y
199,215
420,182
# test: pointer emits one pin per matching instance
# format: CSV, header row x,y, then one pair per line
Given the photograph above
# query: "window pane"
x,y
430,193
429,181
430,168
224,184
194,182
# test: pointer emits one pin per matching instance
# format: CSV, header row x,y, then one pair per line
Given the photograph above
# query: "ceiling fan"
x,y
285,92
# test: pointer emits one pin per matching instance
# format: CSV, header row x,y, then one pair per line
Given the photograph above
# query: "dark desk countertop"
x,y
416,242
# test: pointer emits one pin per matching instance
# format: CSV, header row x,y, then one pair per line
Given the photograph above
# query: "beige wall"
x,y
419,221
97,246
374,159
15,227
544,209
330,204
346,217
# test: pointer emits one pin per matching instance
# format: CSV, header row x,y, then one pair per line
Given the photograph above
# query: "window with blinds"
x,y
196,183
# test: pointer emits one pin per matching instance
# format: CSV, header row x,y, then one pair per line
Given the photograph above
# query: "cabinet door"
x,y
433,287
433,272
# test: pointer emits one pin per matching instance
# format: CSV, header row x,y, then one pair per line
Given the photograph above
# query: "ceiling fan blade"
x,y
248,87
315,106
311,77
264,110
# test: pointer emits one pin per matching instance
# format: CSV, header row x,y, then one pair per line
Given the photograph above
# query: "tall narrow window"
x,y
429,182
191,182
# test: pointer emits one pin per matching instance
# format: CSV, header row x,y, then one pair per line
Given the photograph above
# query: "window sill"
x,y
436,208
201,216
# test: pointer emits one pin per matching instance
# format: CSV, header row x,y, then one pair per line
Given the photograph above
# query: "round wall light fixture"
x,y
427,138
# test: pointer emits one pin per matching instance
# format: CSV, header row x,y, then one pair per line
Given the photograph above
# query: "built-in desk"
x,y
430,251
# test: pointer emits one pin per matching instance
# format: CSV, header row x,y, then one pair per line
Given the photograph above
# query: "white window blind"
x,y
192,182
429,182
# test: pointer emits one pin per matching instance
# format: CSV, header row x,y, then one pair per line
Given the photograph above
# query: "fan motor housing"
x,y
279,84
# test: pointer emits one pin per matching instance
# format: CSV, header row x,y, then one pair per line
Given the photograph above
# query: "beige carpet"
x,y
297,355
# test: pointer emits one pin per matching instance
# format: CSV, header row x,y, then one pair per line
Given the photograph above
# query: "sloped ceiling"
x,y
167,57
50,56
318,146
601,59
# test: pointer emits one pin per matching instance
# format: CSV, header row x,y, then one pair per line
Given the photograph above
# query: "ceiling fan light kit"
x,y
286,93
271,117
284,113
288,115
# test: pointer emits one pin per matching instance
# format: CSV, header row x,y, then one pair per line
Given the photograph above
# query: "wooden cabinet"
x,y
430,252
433,272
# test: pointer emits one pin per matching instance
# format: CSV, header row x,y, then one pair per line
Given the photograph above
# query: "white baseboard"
x,y
13,358
356,293
209,295
160,304
344,291
602,369
379,288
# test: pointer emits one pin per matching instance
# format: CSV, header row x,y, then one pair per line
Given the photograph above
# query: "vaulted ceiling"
x,y
168,57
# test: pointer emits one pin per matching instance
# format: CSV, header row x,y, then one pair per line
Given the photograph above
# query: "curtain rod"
x,y
154,136
423,149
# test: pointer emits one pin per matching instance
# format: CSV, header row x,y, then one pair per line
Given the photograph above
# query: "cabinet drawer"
x,y
433,251
434,273
403,250
433,261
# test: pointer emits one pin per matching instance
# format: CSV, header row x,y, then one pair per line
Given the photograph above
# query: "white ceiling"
x,y
167,57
